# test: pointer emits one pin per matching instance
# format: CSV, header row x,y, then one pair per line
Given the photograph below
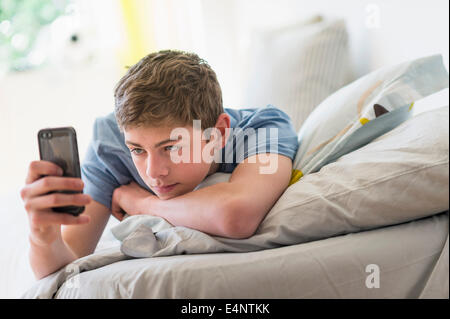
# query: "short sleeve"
x,y
255,131
98,179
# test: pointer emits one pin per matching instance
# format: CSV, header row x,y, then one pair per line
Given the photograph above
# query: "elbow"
x,y
38,275
238,222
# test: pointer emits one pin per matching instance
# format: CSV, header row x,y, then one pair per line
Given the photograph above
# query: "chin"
x,y
178,192
168,196
164,196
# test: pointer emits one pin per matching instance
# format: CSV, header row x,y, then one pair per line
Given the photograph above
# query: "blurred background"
x,y
60,61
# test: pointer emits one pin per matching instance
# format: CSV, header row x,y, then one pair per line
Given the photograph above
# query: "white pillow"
x,y
364,110
401,176
296,67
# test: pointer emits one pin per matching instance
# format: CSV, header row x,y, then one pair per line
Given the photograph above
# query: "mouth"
x,y
165,189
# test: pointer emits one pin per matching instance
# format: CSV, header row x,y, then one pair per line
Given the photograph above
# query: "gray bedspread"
x,y
408,260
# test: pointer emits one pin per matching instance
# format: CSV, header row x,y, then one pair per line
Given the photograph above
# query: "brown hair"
x,y
168,88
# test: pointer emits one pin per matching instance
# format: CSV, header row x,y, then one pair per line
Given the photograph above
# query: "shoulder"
x,y
269,116
106,134
258,130
106,126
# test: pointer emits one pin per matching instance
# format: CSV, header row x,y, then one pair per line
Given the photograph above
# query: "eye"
x,y
137,151
172,148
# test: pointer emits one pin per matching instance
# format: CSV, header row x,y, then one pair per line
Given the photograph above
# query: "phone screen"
x,y
59,149
59,145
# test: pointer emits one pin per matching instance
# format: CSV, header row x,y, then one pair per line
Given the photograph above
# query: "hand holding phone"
x,y
50,188
39,196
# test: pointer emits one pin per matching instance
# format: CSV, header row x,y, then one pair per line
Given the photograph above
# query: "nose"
x,y
157,167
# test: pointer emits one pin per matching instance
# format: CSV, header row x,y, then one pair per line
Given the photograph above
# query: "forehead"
x,y
154,130
151,135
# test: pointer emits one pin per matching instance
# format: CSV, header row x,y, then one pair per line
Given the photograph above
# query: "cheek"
x,y
139,163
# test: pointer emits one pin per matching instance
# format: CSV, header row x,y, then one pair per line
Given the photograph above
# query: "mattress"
x,y
408,260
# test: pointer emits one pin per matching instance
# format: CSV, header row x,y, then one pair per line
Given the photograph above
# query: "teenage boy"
x,y
168,133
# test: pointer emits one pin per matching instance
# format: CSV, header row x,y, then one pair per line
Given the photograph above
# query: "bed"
x,y
396,247
412,258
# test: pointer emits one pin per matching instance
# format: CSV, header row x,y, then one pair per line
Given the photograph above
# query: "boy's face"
x,y
153,151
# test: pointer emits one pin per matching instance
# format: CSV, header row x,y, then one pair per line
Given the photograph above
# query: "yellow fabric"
x,y
295,176
363,120
139,31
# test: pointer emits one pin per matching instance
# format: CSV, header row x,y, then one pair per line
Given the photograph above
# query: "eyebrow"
x,y
156,145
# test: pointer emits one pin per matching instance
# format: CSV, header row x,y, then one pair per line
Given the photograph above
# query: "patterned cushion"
x,y
364,110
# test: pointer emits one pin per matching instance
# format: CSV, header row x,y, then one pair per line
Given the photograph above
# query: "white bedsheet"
x,y
411,259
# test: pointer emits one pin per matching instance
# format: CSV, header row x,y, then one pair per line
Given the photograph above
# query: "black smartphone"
x,y
59,145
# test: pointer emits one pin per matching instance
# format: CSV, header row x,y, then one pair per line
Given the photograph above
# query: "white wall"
x,y
381,31
42,98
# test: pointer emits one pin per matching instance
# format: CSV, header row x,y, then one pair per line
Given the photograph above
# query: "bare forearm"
x,y
83,240
208,209
47,259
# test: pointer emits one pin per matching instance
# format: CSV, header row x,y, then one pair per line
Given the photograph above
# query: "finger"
x,y
117,214
45,218
37,169
114,207
57,200
116,211
52,183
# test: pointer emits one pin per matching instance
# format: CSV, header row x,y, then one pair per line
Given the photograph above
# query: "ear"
x,y
223,125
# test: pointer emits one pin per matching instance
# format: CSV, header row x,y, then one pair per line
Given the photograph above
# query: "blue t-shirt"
x,y
108,163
